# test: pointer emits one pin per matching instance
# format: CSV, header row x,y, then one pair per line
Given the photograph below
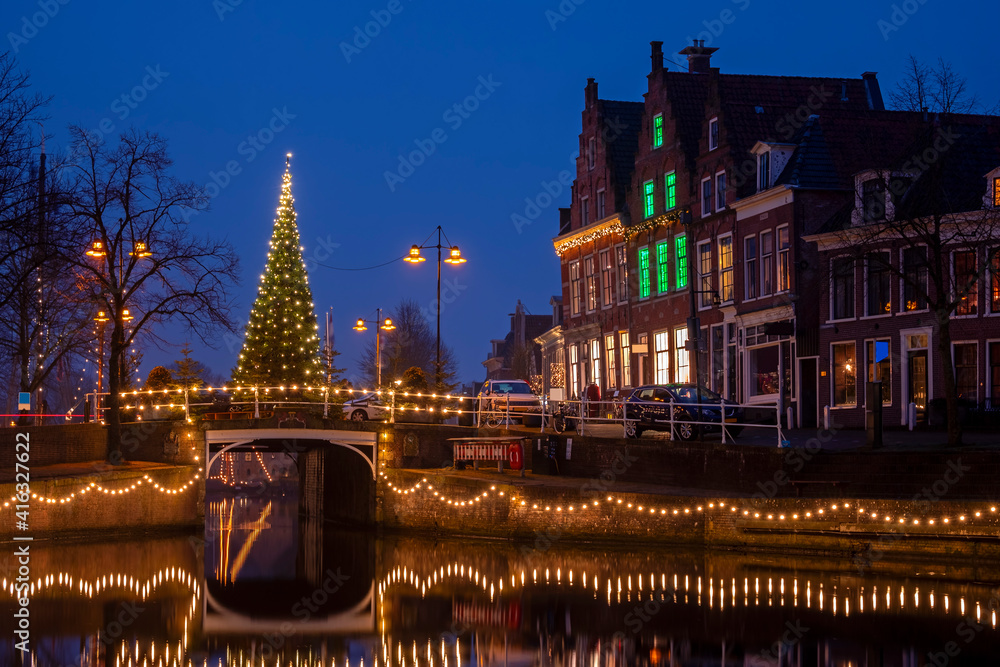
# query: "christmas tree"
x,y
281,347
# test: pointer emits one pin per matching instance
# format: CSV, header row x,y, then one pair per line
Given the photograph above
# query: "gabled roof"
x,y
626,117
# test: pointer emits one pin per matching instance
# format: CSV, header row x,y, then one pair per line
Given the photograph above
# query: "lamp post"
x,y
380,326
454,257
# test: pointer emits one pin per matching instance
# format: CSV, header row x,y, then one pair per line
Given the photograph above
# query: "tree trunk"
x,y
114,398
950,388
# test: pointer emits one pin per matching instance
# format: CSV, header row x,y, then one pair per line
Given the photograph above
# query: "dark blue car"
x,y
648,409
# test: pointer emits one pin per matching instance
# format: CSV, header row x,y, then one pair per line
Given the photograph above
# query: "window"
x,y
574,369
966,282
607,278
609,359
713,134
915,278
845,387
877,284
576,295
626,359
750,267
681,251
647,198
595,361
670,182
590,273
764,171
766,262
726,288
995,374
966,372
661,347
683,356
706,197
591,153
995,280
622,260
662,271
643,273
601,200
784,271
763,367
843,288
720,191
996,192
657,130
584,210
705,273
873,200
880,366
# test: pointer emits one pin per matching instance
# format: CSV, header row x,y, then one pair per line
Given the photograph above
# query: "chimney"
x,y
873,91
656,56
590,93
699,57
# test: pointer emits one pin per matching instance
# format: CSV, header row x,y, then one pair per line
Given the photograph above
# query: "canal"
x,y
265,586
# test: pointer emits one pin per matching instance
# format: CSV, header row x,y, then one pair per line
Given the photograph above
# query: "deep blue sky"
x,y
224,77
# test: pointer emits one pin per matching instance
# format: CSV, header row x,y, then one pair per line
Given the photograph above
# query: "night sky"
x,y
213,75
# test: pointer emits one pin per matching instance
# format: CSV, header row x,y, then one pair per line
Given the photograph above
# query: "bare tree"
x,y
145,265
937,89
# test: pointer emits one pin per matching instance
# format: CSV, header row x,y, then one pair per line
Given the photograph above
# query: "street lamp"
x,y
455,258
381,326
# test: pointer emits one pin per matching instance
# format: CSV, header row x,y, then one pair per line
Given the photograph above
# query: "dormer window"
x,y
713,134
872,200
763,171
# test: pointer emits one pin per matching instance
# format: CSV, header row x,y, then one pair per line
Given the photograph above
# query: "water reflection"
x,y
265,586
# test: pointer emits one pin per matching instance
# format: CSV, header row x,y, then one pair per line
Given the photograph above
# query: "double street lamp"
x,y
380,326
454,257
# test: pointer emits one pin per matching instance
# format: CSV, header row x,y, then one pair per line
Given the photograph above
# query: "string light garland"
x,y
833,512
94,487
651,224
608,229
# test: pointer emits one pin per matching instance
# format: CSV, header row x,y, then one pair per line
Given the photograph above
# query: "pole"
x,y
378,348
437,365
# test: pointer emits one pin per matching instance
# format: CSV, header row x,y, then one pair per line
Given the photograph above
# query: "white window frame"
x,y
892,368
720,179
864,296
713,141
595,361
681,354
609,275
625,341
621,276
831,311
700,285
610,367
591,280
732,266
748,268
764,278
575,298
763,175
661,373
707,210
778,289
902,280
833,377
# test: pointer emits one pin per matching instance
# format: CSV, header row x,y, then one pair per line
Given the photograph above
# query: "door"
x,y
918,380
808,399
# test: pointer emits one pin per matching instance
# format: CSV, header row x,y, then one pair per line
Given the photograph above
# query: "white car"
x,y
362,408
497,396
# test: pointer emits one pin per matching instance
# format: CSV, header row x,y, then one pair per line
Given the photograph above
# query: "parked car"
x,y
513,395
649,407
368,407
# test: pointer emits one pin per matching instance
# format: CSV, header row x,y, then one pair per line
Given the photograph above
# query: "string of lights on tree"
x,y
832,512
281,345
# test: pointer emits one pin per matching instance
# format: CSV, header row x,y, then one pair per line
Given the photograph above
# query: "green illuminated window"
x,y
662,274
643,273
647,197
681,249
658,130
671,183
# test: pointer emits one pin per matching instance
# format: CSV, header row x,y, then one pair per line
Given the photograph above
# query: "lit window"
x,y
705,273
784,270
750,266
682,372
657,130
845,385
575,288
681,251
661,347
670,180
590,273
626,360
996,192
609,360
726,289
595,361
662,271
607,277
647,196
966,283
622,260
643,273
